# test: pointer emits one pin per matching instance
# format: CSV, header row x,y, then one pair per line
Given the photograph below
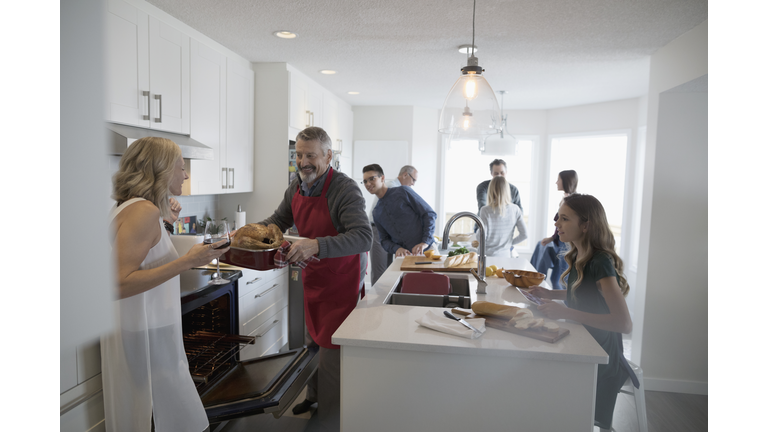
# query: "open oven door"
x,y
268,384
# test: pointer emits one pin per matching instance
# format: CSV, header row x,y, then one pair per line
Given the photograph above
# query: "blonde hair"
x,y
145,171
598,238
498,195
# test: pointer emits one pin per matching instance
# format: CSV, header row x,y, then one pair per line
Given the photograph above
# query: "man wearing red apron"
x,y
328,209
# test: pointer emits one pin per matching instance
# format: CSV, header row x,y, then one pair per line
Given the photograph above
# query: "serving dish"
x,y
263,259
523,278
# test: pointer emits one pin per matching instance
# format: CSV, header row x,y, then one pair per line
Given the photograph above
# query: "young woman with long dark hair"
x,y
596,288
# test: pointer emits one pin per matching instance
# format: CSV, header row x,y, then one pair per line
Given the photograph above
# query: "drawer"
x,y
254,279
260,304
270,336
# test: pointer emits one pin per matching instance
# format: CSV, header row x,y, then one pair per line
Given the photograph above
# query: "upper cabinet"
x,y
148,71
239,128
222,118
306,103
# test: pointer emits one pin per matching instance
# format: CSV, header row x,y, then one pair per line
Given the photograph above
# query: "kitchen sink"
x,y
463,287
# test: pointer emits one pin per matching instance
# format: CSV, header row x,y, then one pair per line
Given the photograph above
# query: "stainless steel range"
x,y
231,388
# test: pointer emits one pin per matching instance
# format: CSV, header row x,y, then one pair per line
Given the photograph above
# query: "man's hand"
x,y
175,210
401,252
302,249
419,249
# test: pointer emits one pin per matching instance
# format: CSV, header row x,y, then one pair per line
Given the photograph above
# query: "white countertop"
x,y
378,325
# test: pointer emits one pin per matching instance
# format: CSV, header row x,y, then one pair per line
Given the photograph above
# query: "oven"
x,y
228,386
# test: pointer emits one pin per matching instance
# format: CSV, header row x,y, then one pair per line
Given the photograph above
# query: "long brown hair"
x,y
498,195
146,169
570,181
598,238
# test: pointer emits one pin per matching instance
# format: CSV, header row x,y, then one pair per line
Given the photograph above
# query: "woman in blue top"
x,y
595,293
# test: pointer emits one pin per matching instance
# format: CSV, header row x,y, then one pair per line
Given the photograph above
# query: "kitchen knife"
x,y
462,321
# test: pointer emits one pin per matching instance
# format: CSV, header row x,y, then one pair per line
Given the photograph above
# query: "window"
x,y
465,168
600,163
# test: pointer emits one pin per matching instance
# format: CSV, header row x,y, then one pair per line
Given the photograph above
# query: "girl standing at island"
x,y
596,288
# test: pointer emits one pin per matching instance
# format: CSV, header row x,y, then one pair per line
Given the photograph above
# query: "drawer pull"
x,y
271,326
267,291
146,94
253,281
159,99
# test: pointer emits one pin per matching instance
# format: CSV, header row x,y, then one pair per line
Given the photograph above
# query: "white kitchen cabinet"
x,y
147,70
239,128
306,103
208,77
222,118
263,310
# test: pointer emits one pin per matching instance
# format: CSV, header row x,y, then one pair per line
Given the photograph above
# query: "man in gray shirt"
x,y
328,209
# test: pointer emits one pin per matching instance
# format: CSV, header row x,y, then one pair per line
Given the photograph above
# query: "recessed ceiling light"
x,y
353,93
466,49
327,72
285,34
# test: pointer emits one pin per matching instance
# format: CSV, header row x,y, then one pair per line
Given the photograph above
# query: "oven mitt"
x,y
281,261
438,321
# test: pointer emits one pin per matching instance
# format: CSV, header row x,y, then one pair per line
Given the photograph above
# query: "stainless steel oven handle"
x,y
263,293
271,326
253,281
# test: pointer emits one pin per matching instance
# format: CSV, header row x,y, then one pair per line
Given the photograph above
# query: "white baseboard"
x,y
675,386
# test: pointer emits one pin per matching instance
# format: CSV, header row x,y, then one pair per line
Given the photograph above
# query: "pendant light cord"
x,y
474,4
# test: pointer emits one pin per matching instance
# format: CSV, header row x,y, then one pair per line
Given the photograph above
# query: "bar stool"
x,y
639,394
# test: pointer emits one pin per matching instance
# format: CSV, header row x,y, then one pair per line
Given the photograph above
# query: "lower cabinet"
x,y
263,311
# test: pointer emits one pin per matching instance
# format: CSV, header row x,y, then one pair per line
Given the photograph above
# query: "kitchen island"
x,y
398,375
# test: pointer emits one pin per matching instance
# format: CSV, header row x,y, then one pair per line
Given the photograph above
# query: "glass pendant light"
x,y
470,110
504,143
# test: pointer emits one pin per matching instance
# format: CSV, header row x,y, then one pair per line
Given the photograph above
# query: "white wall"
x,y
417,126
670,338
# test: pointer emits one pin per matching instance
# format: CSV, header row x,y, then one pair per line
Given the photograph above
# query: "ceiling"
x,y
544,53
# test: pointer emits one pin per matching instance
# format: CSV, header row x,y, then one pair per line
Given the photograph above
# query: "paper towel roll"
x,y
239,219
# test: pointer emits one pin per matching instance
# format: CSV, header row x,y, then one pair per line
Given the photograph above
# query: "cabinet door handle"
x,y
263,293
159,99
313,118
232,184
223,178
271,326
253,281
146,94
308,114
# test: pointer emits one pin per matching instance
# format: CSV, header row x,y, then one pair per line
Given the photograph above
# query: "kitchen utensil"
x,y
462,321
524,279
504,325
409,263
426,282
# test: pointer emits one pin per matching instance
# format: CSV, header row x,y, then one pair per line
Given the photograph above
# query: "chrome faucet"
x,y
479,274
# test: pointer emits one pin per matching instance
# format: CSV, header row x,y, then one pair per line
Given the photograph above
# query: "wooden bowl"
x,y
524,279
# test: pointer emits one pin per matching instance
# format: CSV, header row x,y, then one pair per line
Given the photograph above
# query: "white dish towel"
x,y
438,321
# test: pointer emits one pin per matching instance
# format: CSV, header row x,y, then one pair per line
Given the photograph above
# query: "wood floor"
x,y
667,412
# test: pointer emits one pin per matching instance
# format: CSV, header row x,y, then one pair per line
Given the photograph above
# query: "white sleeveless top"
x,y
143,365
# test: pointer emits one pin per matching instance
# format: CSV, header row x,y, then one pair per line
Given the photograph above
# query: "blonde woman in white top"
x,y
145,373
500,218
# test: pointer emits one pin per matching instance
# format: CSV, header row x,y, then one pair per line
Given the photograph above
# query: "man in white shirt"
x,y
380,259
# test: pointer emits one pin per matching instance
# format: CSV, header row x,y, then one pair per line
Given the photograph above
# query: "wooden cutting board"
x,y
409,264
501,324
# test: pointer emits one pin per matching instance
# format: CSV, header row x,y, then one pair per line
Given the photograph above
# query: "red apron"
x,y
331,284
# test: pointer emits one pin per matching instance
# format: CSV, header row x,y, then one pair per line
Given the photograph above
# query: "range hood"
x,y
121,136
